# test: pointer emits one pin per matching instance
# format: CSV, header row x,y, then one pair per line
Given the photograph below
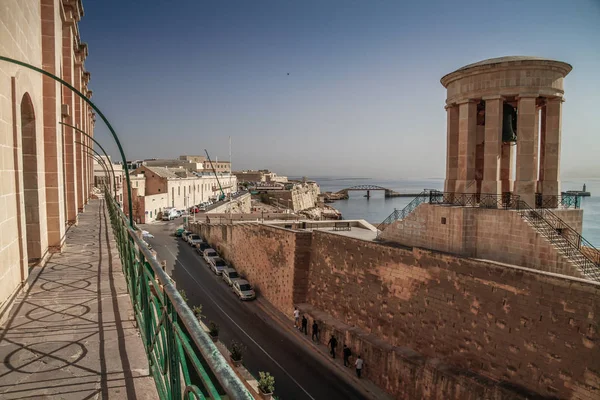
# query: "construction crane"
x,y
222,196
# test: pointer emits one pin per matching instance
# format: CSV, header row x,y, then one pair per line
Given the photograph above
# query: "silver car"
x,y
243,290
230,275
217,264
208,254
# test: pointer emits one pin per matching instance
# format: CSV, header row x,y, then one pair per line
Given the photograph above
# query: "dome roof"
x,y
507,59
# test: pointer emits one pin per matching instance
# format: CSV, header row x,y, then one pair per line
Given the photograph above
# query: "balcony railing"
x,y
184,361
557,201
481,200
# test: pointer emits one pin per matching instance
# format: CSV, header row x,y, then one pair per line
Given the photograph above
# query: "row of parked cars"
x,y
240,286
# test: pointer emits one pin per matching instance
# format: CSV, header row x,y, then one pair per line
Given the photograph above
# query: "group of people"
x,y
302,325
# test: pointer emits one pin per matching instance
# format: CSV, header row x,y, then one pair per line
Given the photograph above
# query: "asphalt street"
x,y
299,372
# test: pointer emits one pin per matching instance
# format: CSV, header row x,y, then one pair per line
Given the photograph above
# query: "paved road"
x,y
299,373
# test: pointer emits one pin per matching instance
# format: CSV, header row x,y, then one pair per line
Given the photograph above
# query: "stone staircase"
x,y
564,239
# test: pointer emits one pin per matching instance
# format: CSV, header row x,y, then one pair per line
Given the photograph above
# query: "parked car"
x,y
243,289
194,239
230,275
209,253
194,209
179,232
217,264
169,214
201,247
185,235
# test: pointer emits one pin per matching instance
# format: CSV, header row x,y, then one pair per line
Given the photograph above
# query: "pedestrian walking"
x,y
315,331
332,344
304,325
359,366
346,352
296,318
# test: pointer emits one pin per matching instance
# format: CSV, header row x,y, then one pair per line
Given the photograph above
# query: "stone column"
x,y
467,132
527,149
549,184
69,136
493,145
506,167
53,153
451,148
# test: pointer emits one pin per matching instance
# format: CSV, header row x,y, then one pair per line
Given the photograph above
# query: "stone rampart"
x,y
498,235
274,260
429,325
536,332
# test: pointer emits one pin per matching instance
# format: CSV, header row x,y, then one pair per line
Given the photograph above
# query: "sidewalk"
x,y
364,386
71,334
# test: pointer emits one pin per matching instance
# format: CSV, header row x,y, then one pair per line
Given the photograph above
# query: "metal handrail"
x,y
424,196
177,347
557,201
481,200
561,231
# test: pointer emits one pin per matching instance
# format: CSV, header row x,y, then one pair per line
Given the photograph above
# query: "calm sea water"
x,y
377,208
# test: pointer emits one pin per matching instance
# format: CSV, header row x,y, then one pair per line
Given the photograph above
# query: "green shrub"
x,y
266,382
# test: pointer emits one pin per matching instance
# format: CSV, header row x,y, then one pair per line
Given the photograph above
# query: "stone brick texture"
x,y
429,325
274,260
497,235
533,332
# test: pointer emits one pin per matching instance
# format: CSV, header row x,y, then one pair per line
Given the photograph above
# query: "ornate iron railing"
x,y
423,197
557,201
482,200
574,246
184,361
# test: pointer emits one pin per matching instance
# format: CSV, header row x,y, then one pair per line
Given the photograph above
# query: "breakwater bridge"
x,y
368,188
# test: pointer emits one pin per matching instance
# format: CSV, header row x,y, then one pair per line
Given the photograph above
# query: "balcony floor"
x,y
71,334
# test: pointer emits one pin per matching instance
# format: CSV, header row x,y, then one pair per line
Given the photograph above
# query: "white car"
x,y
243,290
185,235
217,264
208,254
230,275
193,239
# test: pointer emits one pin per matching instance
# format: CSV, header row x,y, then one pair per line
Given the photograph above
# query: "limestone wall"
x,y
498,235
274,260
20,33
538,332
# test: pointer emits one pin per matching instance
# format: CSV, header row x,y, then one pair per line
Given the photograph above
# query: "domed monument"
x,y
502,199
499,107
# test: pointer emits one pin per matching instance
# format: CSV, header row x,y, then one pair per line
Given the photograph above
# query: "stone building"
x,y
45,174
156,188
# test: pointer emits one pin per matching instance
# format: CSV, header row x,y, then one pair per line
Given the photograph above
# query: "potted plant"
x,y
236,353
266,385
198,312
213,330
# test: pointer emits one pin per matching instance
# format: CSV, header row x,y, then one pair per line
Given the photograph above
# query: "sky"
x,y
323,88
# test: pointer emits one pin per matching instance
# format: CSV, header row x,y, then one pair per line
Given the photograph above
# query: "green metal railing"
x,y
184,361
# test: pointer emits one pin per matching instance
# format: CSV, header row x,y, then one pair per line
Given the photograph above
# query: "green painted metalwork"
x,y
183,360
94,140
105,164
88,101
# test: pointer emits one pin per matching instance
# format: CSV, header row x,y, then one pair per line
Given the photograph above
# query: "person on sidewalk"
x,y
315,331
332,344
346,352
296,318
359,366
304,325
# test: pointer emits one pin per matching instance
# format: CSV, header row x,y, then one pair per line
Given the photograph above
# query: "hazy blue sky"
x,y
362,97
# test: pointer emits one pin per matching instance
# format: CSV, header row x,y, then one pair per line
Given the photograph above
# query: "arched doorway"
x,y
30,180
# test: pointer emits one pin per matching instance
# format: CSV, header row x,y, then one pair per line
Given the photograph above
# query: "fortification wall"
x,y
274,260
537,331
498,235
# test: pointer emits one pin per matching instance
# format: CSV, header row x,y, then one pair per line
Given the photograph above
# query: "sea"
x,y
377,207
